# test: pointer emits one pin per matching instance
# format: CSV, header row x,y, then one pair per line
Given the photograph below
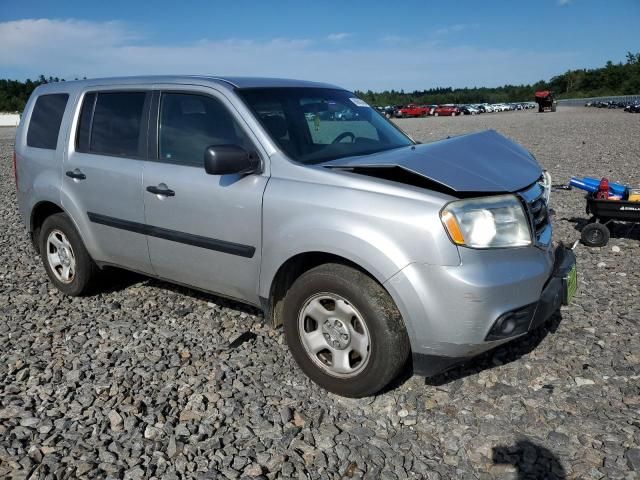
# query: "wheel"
x,y
344,330
64,256
595,235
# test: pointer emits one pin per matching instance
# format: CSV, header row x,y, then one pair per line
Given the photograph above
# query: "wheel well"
x,y
290,271
39,214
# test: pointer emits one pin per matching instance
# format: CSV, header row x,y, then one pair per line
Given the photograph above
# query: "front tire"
x,y
65,258
344,330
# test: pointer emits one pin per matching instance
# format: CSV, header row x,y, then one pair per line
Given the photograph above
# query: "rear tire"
x,y
595,235
344,330
65,258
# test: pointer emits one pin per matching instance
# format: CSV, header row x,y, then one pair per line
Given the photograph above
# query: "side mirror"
x,y
227,159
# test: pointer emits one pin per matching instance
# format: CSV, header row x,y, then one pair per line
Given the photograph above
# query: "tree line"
x,y
14,93
612,79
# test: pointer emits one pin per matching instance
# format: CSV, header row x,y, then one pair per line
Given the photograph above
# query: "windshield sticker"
x,y
359,103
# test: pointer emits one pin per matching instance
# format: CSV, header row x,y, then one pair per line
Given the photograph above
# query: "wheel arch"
x,y
296,265
39,213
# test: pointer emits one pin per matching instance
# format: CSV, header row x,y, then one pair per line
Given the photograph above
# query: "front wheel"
x,y
344,330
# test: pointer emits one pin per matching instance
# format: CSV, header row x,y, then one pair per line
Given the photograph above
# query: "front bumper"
x,y
451,312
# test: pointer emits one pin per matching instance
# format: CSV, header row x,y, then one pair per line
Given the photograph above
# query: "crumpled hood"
x,y
478,162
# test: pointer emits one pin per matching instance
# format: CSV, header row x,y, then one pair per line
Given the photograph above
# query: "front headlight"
x,y
546,185
490,222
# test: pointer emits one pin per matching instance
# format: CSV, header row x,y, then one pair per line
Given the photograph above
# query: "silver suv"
x,y
374,252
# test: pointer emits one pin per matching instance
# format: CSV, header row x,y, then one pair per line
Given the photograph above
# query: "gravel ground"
x,y
145,380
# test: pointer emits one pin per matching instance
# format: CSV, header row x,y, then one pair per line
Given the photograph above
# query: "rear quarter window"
x,y
46,118
110,123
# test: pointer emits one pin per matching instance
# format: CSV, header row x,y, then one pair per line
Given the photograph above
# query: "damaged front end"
x,y
474,165
478,163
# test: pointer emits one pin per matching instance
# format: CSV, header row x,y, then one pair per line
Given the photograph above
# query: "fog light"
x,y
512,323
508,326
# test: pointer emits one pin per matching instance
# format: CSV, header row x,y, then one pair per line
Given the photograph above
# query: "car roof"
x,y
226,82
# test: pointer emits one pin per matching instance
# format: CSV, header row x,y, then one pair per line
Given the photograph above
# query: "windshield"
x,y
314,125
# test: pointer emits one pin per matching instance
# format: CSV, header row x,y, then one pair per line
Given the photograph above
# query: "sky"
x,y
410,45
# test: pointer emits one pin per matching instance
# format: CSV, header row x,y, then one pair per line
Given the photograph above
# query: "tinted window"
x,y
46,118
190,123
116,124
314,125
84,126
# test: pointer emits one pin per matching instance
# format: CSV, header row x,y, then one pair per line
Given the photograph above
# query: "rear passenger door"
x,y
102,181
205,230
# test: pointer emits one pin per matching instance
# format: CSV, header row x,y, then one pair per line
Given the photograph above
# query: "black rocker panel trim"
x,y
231,248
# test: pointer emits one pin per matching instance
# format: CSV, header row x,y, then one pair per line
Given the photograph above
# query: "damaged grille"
x,y
538,211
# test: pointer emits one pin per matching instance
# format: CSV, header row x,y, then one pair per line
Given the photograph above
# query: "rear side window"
x,y
46,118
111,124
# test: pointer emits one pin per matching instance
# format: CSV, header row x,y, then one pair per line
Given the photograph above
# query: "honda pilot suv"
x,y
374,252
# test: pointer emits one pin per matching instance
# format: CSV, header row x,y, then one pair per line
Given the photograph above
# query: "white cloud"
x,y
74,48
395,39
336,37
459,27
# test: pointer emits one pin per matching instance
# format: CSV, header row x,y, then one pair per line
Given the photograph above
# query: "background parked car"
x,y
469,110
390,110
431,108
346,114
412,110
446,110
633,108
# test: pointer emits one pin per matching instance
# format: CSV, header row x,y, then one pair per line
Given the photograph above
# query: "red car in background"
x,y
412,110
446,110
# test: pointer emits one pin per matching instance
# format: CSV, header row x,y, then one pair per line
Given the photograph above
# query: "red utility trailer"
x,y
545,101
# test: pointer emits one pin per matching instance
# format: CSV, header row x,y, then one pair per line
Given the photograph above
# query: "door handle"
x,y
76,174
161,190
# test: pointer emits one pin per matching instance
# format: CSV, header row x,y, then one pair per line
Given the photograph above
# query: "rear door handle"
x,y
161,189
76,174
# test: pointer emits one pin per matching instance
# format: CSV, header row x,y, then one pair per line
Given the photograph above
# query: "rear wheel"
x,y
66,260
344,330
595,235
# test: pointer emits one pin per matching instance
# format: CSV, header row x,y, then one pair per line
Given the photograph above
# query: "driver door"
x,y
204,230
